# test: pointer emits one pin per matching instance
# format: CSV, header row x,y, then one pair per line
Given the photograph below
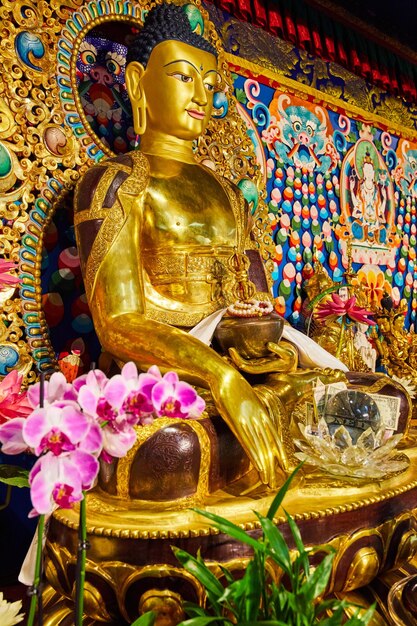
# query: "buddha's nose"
x,y
200,94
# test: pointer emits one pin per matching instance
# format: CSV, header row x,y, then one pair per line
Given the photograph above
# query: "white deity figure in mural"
x,y
367,203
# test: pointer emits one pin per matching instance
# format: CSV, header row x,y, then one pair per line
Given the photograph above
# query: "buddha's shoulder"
x,y
106,177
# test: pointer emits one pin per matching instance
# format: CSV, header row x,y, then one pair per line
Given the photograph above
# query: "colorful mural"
x,y
332,176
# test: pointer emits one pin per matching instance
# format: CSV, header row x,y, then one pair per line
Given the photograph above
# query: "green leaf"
x,y
317,582
14,475
268,622
276,502
227,574
199,569
194,610
359,619
203,621
254,591
276,546
295,531
241,96
147,619
231,529
335,619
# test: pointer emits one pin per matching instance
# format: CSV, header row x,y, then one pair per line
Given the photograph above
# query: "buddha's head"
x,y
171,75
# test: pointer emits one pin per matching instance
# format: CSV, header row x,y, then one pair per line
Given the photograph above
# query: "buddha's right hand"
x,y
257,430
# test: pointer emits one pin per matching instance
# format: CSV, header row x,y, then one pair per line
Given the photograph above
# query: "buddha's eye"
x,y
209,87
183,77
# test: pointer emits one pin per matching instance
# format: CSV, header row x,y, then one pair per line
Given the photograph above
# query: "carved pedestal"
x,y
131,566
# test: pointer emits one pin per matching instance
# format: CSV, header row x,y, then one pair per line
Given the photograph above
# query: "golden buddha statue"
x,y
155,230
162,242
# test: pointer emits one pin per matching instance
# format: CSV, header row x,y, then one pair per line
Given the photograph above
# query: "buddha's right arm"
x,y
119,316
118,306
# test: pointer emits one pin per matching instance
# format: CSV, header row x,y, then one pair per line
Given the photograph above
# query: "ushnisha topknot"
x,y
165,22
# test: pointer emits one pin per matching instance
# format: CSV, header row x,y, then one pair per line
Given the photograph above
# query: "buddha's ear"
x,y
134,74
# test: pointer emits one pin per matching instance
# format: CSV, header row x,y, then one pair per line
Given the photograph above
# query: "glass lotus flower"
x,y
371,457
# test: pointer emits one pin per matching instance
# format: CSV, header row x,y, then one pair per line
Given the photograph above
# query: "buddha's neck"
x,y
168,147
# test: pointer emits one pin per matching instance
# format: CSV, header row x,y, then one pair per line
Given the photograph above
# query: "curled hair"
x,y
165,22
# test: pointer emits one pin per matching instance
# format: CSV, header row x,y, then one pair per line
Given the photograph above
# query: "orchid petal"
x,y
93,440
87,400
115,391
186,394
154,371
117,444
171,378
11,436
73,424
57,387
130,371
198,407
160,392
87,465
37,425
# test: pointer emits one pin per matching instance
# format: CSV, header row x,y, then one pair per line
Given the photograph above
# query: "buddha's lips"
x,y
198,115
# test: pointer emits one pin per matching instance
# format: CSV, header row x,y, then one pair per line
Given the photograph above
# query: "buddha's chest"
x,y
191,208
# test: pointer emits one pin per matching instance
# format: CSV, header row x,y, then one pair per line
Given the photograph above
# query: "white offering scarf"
x,y
310,354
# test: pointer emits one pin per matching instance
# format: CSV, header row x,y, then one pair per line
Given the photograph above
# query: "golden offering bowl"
x,y
249,335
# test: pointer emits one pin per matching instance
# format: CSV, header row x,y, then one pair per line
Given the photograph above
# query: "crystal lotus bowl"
x,y
371,457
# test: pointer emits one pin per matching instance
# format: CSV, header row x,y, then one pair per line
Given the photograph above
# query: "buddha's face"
x,y
178,86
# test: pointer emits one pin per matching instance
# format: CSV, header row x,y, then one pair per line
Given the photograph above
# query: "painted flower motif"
x,y
54,428
60,480
174,398
13,403
7,279
9,612
336,307
271,134
373,281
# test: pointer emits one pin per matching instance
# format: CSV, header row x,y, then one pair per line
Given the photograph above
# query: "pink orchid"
x,y
7,279
11,436
60,480
336,307
13,403
56,390
55,428
174,398
112,404
117,443
138,399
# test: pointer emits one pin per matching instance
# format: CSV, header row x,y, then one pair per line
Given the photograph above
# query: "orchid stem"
x,y
341,337
81,561
35,590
